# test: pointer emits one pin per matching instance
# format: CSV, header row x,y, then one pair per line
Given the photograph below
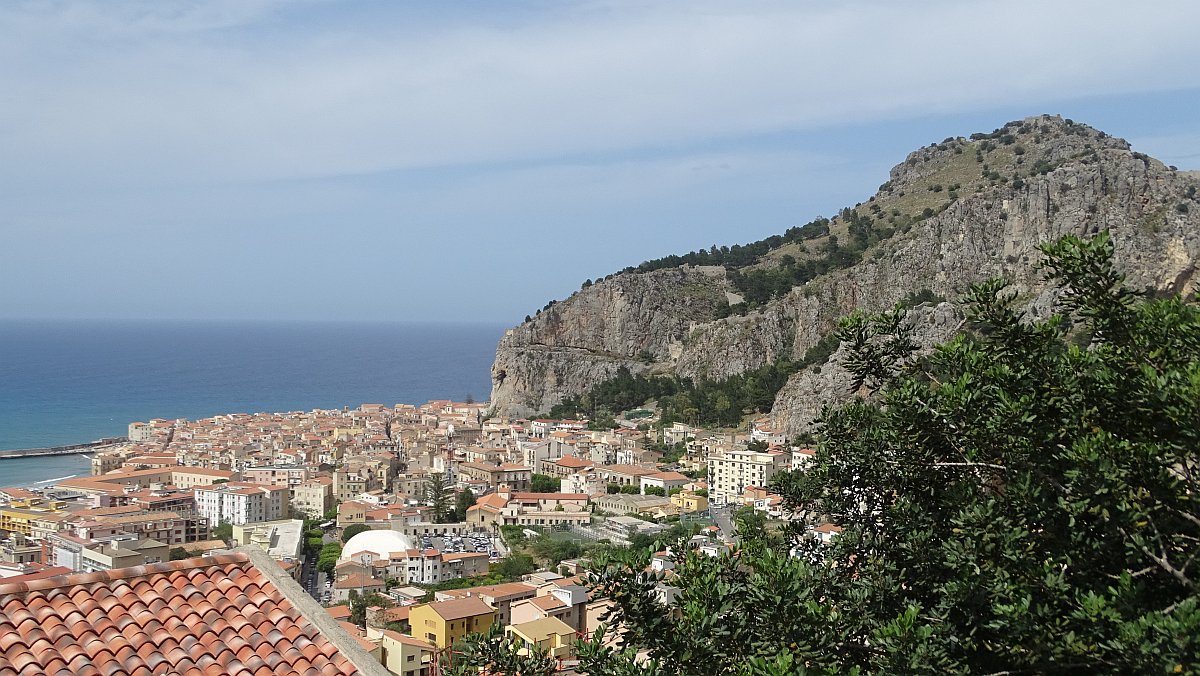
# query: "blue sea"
x,y
66,382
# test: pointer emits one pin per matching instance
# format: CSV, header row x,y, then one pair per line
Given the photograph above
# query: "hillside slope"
x,y
951,214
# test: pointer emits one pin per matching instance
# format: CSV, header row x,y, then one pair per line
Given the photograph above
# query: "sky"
x,y
469,161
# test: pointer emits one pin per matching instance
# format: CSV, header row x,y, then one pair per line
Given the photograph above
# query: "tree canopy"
x,y
1022,501
544,483
439,494
354,529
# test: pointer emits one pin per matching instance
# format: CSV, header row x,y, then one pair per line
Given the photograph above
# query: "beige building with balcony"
x,y
550,634
313,497
123,554
730,472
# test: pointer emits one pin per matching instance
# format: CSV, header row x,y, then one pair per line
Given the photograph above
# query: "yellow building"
x,y
403,655
444,622
689,502
19,516
549,633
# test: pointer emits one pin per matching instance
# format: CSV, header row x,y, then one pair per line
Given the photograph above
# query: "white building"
x,y
802,458
242,503
731,471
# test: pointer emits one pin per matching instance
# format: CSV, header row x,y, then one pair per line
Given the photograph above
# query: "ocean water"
x,y
65,382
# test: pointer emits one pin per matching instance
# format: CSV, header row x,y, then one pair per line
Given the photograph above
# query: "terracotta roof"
x,y
501,591
357,633
396,614
355,581
547,602
456,609
408,640
209,615
458,556
493,502
628,470
550,496
35,571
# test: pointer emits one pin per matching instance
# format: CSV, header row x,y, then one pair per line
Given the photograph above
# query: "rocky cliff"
x,y
626,320
951,214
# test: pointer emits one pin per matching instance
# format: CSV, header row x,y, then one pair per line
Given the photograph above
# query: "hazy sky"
x,y
471,160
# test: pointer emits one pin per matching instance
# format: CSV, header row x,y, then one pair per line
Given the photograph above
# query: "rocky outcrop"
x,y
962,211
799,403
632,321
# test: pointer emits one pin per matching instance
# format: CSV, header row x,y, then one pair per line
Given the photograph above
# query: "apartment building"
x,y
242,503
313,497
444,622
516,477
123,554
530,509
169,528
276,475
731,471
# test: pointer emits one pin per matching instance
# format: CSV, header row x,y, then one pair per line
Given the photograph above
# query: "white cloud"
x,y
168,91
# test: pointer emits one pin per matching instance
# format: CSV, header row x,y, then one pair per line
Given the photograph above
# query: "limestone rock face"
x,y
718,349
627,320
799,403
969,210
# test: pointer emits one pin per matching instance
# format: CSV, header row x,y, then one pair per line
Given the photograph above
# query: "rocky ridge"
x,y
954,213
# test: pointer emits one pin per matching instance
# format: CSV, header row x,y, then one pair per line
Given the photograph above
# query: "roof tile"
x,y
160,618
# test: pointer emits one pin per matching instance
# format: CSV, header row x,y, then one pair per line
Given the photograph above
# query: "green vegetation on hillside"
x,y
1021,502
720,403
1003,158
738,255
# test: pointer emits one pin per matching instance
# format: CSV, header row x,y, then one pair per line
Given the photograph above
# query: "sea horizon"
x,y
74,381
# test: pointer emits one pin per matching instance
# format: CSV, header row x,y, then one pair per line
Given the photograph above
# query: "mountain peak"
x,y
952,213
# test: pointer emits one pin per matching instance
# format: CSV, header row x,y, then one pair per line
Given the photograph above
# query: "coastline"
x,y
42,471
69,449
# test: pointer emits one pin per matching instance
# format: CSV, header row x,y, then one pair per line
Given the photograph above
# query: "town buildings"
x,y
241,503
731,471
444,622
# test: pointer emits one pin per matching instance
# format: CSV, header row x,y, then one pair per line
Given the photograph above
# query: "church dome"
x,y
378,543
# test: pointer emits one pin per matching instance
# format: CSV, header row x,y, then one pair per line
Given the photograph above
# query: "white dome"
x,y
377,543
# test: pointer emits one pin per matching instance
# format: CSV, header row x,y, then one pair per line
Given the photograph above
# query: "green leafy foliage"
x,y
360,602
354,529
328,557
495,652
223,531
462,502
544,483
711,402
738,255
178,553
1022,502
554,552
439,494
515,565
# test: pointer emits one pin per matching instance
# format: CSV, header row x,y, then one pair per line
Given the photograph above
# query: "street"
x,y
724,519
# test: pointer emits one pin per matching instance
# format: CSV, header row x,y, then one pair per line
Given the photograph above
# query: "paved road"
x,y
724,518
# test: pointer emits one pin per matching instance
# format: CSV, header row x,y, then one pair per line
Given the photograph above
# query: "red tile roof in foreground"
x,y
211,615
